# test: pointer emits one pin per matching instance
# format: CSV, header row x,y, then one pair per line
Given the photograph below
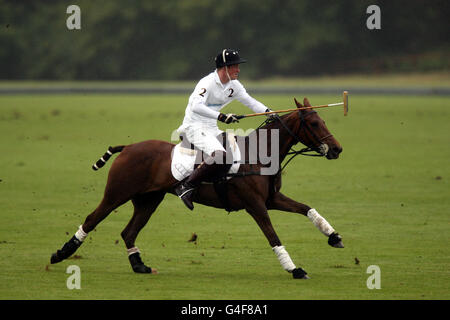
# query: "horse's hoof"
x,y
137,264
55,259
299,273
142,268
335,240
66,251
339,245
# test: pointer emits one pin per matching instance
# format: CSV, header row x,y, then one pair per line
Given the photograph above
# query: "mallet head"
x,y
345,100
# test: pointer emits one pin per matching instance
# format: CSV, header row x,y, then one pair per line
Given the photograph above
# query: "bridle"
x,y
321,148
320,141
320,151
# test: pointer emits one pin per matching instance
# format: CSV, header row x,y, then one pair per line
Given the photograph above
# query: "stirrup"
x,y
181,192
185,193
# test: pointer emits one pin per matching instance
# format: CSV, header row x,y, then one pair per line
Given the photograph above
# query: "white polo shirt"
x,y
209,97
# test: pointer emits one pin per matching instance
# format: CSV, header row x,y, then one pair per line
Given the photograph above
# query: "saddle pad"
x,y
183,159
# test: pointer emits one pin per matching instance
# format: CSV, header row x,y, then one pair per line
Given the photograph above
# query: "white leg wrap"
x,y
80,234
284,258
320,222
133,250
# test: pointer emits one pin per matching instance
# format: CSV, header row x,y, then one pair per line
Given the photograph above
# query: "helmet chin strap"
x,y
226,71
224,61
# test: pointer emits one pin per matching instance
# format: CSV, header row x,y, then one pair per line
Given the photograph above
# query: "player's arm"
x,y
243,97
199,106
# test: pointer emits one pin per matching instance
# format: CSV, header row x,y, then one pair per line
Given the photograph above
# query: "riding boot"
x,y
202,173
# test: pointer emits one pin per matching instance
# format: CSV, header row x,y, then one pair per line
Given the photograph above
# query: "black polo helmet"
x,y
228,57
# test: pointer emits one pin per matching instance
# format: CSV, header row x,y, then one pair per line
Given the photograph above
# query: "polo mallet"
x,y
343,103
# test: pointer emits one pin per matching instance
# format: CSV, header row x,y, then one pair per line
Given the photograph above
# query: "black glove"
x,y
271,116
228,118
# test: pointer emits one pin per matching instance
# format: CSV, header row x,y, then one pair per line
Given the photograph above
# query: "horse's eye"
x,y
315,124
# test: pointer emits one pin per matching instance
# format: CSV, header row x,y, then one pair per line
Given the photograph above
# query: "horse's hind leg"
x,y
144,206
280,202
106,206
259,212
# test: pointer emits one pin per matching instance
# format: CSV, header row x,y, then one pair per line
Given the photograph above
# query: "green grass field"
x,y
387,195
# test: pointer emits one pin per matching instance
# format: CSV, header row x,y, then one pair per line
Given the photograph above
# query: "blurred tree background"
x,y
178,39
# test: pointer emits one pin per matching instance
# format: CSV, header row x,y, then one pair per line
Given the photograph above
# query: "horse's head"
x,y
314,133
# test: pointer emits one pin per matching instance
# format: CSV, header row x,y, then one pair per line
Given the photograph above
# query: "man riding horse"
x,y
142,173
211,94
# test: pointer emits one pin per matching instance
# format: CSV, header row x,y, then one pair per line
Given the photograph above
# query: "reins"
x,y
293,153
304,151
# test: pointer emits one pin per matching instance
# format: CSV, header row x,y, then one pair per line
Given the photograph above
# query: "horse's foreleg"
x,y
144,206
280,202
260,215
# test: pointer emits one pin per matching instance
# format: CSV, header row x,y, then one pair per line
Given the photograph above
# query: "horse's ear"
x,y
306,102
299,105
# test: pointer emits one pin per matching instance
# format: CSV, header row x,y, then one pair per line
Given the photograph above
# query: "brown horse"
x,y
142,173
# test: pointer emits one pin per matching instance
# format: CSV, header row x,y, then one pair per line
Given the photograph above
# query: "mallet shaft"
x,y
344,103
290,110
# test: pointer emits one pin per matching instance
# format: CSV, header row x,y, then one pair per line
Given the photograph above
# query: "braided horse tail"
x,y
101,162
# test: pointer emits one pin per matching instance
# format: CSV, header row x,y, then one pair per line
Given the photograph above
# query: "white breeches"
x,y
204,139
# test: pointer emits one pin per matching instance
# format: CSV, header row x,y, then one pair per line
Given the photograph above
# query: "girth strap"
x,y
221,188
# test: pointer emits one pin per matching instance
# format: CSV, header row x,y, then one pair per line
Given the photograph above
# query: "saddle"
x,y
186,157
